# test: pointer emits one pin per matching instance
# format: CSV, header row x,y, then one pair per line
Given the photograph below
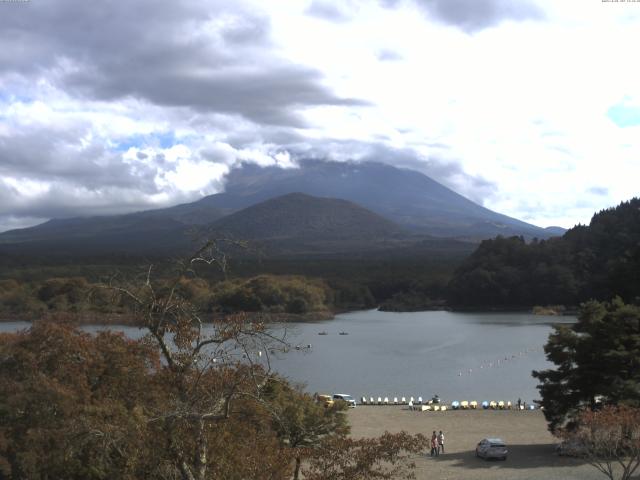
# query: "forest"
x,y
33,285
598,261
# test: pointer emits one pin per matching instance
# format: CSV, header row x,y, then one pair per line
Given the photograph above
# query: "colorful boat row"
x,y
493,405
455,405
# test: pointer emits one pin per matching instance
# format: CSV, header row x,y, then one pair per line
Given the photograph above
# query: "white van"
x,y
343,397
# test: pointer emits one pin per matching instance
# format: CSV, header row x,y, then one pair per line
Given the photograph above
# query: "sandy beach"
x,y
531,446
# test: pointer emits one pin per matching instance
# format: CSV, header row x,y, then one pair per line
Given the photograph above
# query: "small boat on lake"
x,y
323,333
343,333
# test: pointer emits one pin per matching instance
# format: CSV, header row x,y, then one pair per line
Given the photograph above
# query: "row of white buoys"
x,y
502,360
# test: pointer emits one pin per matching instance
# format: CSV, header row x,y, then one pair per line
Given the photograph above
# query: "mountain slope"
x,y
293,223
297,215
405,197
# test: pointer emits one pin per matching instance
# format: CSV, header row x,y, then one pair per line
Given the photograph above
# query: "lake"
x,y
481,356
459,356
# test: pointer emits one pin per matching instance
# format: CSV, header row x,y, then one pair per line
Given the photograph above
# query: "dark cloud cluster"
x,y
475,15
210,56
331,10
54,154
60,200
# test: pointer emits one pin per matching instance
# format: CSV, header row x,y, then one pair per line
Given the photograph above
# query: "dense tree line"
x,y
268,293
357,280
598,261
264,293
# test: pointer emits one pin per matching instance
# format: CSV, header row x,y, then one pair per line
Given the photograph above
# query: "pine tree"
x,y
597,360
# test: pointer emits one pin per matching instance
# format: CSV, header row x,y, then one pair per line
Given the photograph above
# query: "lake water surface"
x,y
479,356
459,356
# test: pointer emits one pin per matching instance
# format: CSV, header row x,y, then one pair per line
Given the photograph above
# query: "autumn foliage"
x,y
193,399
609,438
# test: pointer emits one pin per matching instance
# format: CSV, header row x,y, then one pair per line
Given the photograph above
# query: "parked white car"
x,y
492,448
343,397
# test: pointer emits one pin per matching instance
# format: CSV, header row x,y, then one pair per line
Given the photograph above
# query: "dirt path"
x,y
531,446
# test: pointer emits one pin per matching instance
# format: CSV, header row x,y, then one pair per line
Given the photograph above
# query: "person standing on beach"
x,y
440,442
434,444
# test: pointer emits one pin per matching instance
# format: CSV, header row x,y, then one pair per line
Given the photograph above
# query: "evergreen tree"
x,y
597,261
597,359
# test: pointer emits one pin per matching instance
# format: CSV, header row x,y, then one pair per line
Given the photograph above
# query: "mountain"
x,y
291,223
405,197
401,197
298,222
297,215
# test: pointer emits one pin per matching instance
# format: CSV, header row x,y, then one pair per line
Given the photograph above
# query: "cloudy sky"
x,y
529,107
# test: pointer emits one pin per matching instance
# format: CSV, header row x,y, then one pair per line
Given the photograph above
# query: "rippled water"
x,y
459,356
455,355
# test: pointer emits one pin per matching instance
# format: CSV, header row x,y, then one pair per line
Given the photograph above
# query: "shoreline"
x,y
113,319
105,319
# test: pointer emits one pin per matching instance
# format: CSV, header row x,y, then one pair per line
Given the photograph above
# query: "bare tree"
x,y
609,439
209,365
